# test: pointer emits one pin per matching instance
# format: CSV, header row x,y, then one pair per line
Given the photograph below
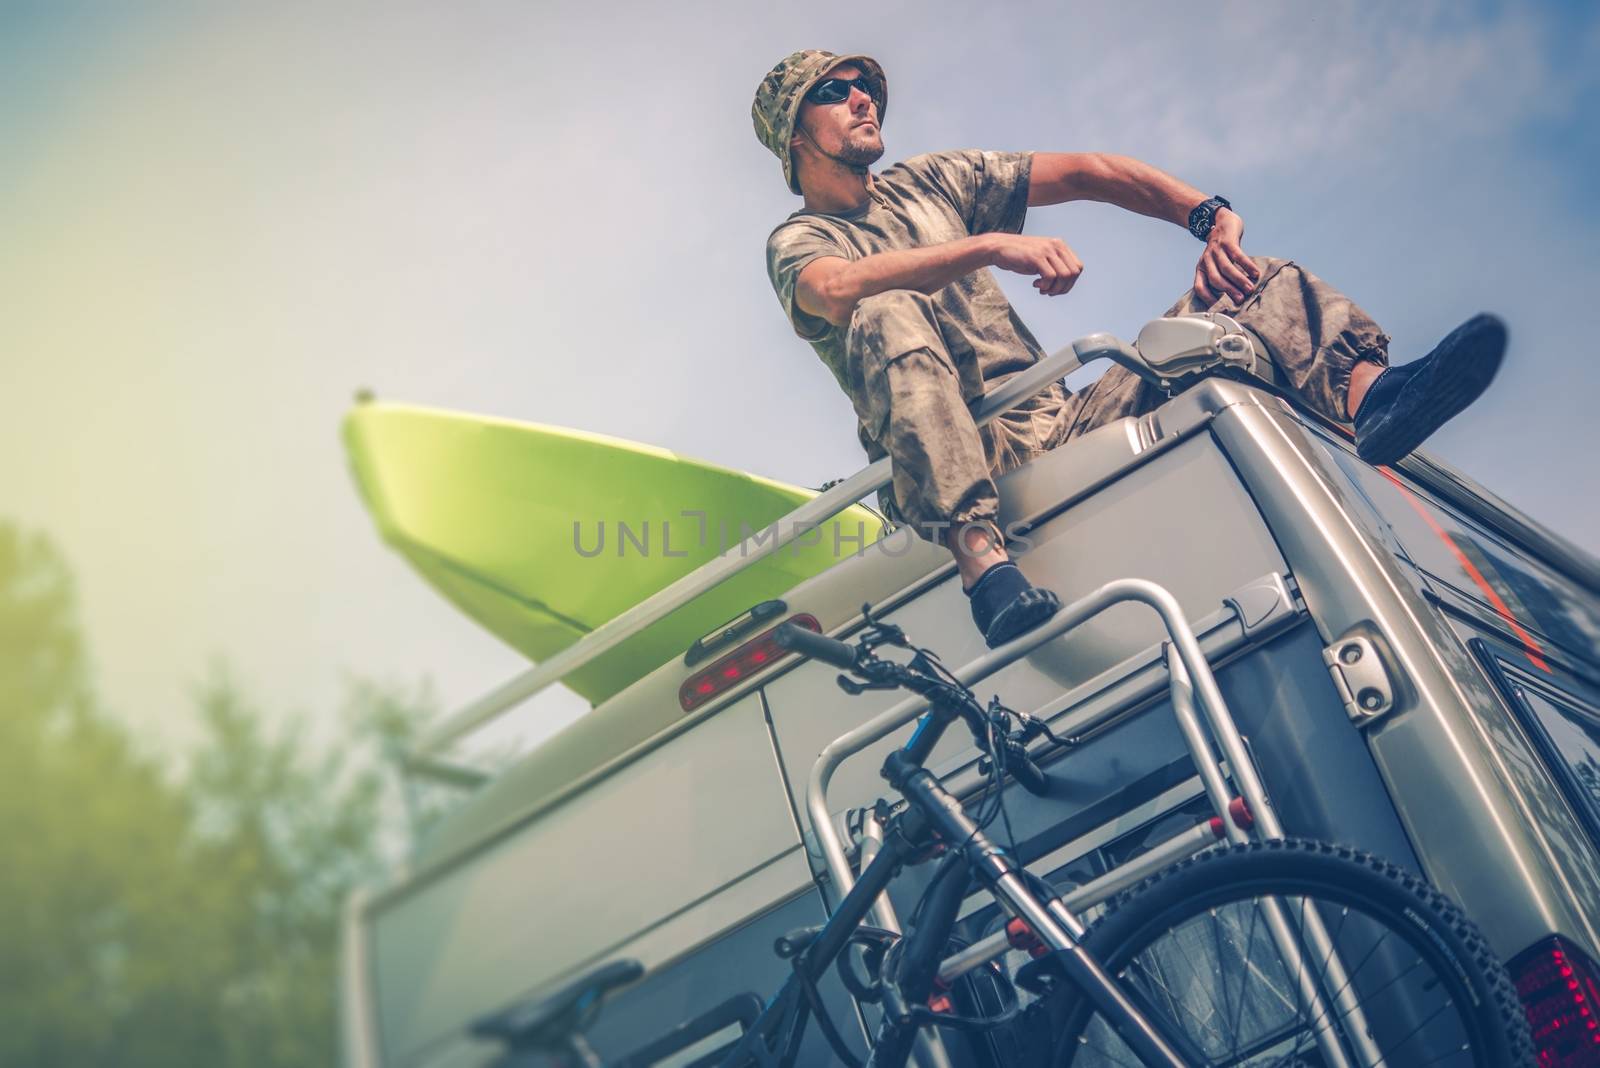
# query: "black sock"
x,y
995,588
1384,389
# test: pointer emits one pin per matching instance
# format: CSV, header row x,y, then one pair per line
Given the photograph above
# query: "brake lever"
x,y
880,633
1028,727
852,687
1031,727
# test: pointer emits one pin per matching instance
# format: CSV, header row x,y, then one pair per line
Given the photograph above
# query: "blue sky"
x,y
216,224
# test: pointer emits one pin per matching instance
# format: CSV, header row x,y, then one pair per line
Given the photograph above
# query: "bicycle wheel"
x,y
1397,975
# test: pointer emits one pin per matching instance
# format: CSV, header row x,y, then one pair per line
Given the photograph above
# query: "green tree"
x,y
152,921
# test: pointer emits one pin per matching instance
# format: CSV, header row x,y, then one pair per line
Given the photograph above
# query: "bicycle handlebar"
x,y
819,647
859,660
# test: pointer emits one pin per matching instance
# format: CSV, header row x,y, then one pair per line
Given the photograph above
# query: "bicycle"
x,y
1361,963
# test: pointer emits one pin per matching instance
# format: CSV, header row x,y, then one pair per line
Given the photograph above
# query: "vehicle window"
x,y
1574,735
1565,727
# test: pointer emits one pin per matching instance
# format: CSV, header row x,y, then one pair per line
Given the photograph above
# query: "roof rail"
x,y
820,509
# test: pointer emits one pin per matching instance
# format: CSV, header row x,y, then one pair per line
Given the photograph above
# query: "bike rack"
x,y
1190,677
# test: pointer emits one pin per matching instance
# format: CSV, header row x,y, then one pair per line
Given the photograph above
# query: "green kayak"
x,y
542,534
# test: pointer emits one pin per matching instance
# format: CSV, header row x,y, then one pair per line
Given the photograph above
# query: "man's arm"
x,y
1121,180
1138,187
831,287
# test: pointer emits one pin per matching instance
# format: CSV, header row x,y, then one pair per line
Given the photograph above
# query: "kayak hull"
x,y
541,534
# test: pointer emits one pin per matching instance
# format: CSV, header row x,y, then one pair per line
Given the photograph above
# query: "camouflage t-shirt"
x,y
927,200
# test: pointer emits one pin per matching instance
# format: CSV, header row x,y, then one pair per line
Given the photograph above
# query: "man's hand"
x,y
1057,267
1223,266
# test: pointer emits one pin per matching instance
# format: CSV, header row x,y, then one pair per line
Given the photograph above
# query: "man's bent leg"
x,y
908,393
1314,334
1335,358
1316,337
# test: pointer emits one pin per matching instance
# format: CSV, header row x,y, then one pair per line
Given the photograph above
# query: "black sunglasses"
x,y
837,90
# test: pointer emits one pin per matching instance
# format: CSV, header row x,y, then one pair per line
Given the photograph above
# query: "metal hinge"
x,y
1360,677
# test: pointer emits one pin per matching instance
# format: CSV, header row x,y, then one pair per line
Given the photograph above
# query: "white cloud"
x,y
1282,86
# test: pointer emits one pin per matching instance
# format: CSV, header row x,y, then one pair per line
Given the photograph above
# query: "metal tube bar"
x,y
898,715
871,842
444,772
980,952
835,933
1200,751
1178,847
1282,932
1096,701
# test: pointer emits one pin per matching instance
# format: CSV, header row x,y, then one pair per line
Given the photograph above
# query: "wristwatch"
x,y
1204,215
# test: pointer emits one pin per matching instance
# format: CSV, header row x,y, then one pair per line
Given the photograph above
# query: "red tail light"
x,y
724,674
1560,991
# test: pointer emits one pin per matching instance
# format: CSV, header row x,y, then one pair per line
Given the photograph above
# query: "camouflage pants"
x,y
944,464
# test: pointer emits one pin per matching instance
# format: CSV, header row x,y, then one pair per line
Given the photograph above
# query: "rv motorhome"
x,y
1413,666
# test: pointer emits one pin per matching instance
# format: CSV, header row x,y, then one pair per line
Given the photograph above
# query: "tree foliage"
x,y
154,918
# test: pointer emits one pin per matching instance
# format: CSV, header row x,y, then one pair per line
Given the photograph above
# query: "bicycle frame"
x,y
934,816
1052,922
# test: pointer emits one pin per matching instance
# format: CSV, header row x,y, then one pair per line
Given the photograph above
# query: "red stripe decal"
x,y
1530,647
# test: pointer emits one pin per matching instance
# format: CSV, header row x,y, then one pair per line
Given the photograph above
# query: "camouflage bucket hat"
x,y
781,92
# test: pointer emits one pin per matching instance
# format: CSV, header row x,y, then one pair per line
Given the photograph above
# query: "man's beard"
x,y
860,153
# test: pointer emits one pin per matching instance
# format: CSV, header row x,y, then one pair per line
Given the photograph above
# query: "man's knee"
x,y
1268,269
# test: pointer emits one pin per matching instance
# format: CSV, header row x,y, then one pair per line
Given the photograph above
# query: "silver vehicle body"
x,y
1465,747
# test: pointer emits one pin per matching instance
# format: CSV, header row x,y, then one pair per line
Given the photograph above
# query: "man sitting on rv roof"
x,y
886,275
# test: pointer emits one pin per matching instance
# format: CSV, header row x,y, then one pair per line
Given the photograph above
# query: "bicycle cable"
x,y
991,801
924,1016
877,942
830,1032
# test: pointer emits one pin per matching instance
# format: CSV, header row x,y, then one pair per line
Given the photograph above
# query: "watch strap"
x,y
1204,216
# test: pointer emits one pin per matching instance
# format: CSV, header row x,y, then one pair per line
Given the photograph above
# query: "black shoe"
x,y
1027,610
1005,604
1408,403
